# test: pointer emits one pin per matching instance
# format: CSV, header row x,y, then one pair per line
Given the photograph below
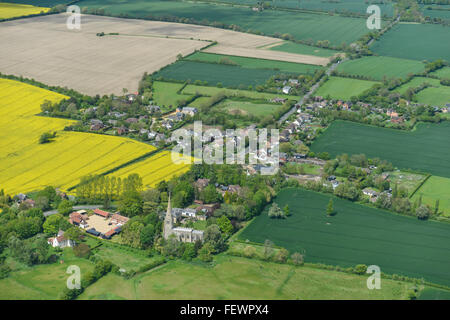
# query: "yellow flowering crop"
x,y
11,10
26,165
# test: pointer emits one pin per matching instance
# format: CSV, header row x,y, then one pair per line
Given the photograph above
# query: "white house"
x,y
60,241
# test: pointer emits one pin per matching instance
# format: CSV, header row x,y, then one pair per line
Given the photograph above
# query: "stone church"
x,y
181,234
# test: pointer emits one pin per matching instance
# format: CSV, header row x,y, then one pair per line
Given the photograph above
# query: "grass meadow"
x,y
343,88
247,107
442,73
241,278
379,67
356,234
435,188
165,94
416,82
402,41
210,91
424,149
439,96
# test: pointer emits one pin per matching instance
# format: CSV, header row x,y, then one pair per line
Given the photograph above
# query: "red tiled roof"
x,y
101,213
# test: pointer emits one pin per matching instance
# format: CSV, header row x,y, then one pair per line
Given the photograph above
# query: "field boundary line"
x,y
420,185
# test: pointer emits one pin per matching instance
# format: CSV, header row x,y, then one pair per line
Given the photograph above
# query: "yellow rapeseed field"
x,y
154,169
26,165
12,10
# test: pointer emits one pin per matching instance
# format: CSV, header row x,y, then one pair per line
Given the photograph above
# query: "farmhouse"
x,y
287,89
78,219
189,111
370,192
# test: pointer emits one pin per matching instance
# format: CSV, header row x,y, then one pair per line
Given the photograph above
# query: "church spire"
x,y
168,221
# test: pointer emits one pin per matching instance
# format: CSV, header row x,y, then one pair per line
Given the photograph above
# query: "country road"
x,y
310,92
85,207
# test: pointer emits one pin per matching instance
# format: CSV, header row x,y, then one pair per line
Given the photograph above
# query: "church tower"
x,y
168,221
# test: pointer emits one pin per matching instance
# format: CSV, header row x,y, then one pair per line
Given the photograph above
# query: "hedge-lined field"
x,y
210,91
247,107
253,63
424,149
434,96
343,88
300,25
442,73
416,82
154,169
435,188
241,278
26,165
40,3
415,41
380,67
356,234
12,10
165,94
213,74
299,48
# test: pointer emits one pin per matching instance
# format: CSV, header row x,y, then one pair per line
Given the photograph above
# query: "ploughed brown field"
x,y
43,48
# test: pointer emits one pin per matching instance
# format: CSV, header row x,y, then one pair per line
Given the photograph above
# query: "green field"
x,y
415,41
356,234
425,149
442,73
380,67
210,91
240,278
42,281
357,6
39,3
213,74
247,107
126,259
253,63
300,25
433,189
435,13
293,47
416,82
165,94
343,88
434,96
434,294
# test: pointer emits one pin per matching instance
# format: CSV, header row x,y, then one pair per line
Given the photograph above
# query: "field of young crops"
x,y
11,10
424,149
299,48
154,169
343,88
379,67
26,165
415,41
356,234
213,73
300,25
253,63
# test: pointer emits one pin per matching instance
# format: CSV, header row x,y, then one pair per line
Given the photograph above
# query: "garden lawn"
x,y
343,88
424,149
356,234
415,41
435,188
241,278
379,67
